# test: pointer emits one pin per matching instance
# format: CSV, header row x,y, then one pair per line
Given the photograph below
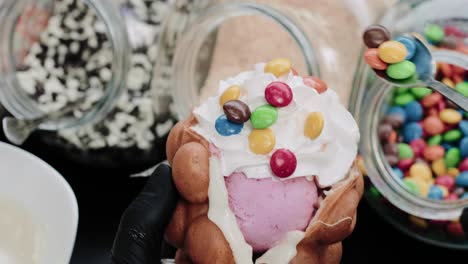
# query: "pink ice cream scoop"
x,y
267,209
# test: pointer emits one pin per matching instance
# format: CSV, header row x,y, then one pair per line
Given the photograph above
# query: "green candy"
x,y
403,99
401,90
434,33
462,88
401,70
264,116
452,135
435,140
452,158
405,151
420,92
411,185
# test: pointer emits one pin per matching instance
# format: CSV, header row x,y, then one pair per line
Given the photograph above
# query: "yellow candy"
x,y
423,185
278,66
420,171
438,167
450,116
231,93
454,172
262,141
361,165
313,125
392,51
418,222
448,82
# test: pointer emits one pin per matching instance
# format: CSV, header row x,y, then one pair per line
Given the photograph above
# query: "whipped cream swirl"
x,y
327,157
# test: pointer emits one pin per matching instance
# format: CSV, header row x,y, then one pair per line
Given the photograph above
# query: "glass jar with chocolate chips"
x,y
414,142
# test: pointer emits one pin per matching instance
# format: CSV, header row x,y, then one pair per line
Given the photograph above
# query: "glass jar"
x,y
431,221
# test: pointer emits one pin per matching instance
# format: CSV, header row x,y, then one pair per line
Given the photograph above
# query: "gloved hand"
x,y
141,232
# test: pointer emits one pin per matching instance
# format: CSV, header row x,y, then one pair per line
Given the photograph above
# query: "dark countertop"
x,y
103,194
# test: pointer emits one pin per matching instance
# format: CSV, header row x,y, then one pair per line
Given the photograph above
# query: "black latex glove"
x,y
141,231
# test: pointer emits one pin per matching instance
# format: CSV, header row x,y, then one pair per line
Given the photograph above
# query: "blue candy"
x,y
462,179
414,111
463,125
464,196
226,127
435,193
446,146
412,131
396,110
398,173
409,44
464,147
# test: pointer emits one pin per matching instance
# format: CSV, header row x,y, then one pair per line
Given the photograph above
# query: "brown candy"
x,y
375,35
396,121
392,159
384,131
391,149
236,111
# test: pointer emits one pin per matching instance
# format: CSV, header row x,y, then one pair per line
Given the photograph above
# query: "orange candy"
x,y
432,125
315,83
372,59
433,153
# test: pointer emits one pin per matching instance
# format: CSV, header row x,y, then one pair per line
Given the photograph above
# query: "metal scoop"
x,y
424,73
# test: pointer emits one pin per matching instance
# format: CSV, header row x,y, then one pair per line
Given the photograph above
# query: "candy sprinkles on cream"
x,y
295,129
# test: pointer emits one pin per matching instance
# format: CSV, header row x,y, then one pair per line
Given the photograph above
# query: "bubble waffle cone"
x,y
199,240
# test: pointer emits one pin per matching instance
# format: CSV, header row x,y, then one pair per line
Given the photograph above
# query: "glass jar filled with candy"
x,y
415,141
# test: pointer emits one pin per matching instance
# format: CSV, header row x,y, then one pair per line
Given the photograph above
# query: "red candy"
x,y
454,31
283,163
432,125
463,165
445,69
456,230
451,197
431,100
405,164
278,94
447,181
418,146
315,83
372,59
433,153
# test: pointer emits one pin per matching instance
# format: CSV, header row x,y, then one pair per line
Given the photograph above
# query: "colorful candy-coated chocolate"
x,y
448,82
452,158
435,193
316,83
313,125
421,171
450,116
438,167
434,140
464,147
431,100
278,94
462,179
418,222
384,131
403,99
434,33
462,88
262,141
392,52
405,151
454,172
393,120
227,128
452,135
447,181
432,125
278,67
231,93
372,59
375,35
463,166
420,92
455,230
401,70
405,164
414,111
264,116
236,111
397,110
409,44
412,131
398,173
418,146
411,185
433,153
283,163
463,125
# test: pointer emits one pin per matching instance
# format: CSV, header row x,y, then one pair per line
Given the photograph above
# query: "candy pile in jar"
x,y
425,137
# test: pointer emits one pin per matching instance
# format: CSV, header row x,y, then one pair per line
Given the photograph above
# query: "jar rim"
x,y
23,107
205,23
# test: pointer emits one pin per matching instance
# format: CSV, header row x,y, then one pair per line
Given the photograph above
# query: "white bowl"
x,y
38,210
